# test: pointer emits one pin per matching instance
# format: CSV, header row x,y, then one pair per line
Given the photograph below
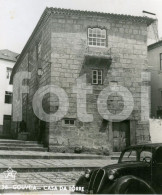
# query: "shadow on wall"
x,y
156,130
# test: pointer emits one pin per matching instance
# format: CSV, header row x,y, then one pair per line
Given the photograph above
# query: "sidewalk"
x,y
46,155
35,165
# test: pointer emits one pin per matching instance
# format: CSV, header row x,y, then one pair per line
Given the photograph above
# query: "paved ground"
x,y
30,174
52,155
38,172
43,181
53,163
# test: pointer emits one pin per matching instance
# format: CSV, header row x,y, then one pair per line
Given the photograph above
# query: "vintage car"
x,y
138,171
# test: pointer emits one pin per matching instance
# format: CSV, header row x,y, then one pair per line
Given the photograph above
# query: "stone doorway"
x,y
121,135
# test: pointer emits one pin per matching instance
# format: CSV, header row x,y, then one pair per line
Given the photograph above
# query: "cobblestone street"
x,y
42,181
50,163
49,173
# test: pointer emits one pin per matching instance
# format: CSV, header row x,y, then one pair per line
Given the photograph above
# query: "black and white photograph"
x,y
80,97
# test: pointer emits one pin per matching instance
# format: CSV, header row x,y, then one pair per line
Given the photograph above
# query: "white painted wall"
x,y
156,130
5,109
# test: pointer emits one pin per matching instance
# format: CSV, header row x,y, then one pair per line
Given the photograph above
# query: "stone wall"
x,y
64,47
128,43
31,64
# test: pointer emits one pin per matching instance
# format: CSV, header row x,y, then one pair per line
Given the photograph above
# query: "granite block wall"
x,y
64,52
128,44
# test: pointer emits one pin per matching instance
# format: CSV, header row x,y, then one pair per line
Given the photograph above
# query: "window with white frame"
x,y
9,71
97,37
8,97
97,77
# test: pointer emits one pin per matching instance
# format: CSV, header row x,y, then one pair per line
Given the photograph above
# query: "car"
x,y
138,171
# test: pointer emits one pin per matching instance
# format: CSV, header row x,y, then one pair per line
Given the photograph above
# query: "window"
x,y
160,61
97,37
39,47
97,77
9,71
69,122
8,97
145,155
158,155
130,155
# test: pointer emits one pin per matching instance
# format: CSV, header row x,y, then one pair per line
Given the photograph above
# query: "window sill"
x,y
95,46
96,84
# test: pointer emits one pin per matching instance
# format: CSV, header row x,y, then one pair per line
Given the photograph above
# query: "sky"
x,y
19,17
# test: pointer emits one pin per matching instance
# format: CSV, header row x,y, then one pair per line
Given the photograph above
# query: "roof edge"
x,y
146,19
49,10
45,13
7,59
155,45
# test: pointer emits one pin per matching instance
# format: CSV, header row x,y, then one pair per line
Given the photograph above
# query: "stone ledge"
x,y
79,150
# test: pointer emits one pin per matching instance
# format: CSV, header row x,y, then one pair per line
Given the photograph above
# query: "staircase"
x,y
18,145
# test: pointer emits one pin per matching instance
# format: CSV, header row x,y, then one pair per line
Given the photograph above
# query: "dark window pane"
x,y
8,97
99,81
69,121
66,122
72,122
9,71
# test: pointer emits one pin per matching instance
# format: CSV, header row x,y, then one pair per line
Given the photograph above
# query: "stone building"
x,y
155,67
153,34
111,50
7,61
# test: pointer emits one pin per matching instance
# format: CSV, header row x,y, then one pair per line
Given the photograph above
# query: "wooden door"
x,y
6,124
121,135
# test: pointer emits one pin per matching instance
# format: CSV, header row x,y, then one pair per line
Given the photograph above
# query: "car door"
x,y
146,158
157,170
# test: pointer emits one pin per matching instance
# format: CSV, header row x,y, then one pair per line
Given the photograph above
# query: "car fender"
x,y
122,184
82,182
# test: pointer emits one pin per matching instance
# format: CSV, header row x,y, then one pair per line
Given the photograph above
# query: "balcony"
x,y
97,55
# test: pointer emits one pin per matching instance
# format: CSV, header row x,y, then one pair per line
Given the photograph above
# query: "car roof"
x,y
149,145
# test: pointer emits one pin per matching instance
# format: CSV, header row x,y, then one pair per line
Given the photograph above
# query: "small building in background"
x,y
7,61
155,67
153,34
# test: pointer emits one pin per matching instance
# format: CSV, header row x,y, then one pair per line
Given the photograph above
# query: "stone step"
x,y
6,154
21,144
17,141
25,148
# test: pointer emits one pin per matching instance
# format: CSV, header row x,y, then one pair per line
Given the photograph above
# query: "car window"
x,y
145,155
159,155
130,155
